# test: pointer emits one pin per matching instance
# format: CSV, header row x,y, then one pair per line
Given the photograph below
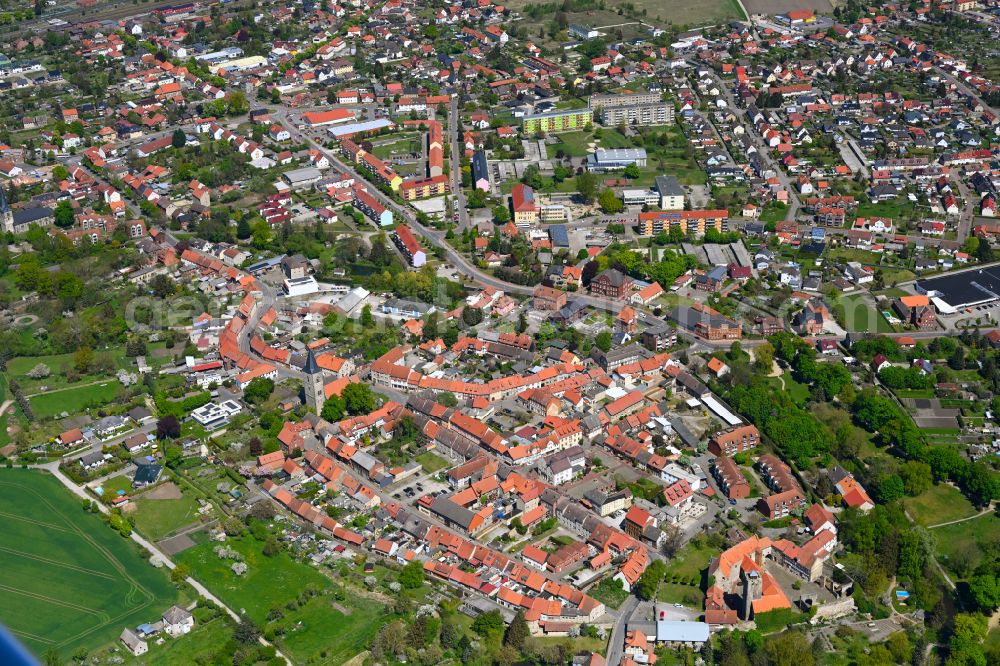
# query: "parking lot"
x,y
411,490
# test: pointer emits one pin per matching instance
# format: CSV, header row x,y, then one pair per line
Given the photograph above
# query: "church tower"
x,y
6,214
315,387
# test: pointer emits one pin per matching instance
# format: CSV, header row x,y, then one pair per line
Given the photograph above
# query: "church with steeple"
x,y
6,214
315,385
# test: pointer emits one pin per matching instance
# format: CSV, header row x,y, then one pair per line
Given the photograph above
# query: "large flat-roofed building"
x,y
615,158
640,115
625,98
557,121
363,127
214,415
954,291
671,193
695,222
632,108
640,197
302,178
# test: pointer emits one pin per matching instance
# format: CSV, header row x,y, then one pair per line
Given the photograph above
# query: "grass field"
x,y
432,462
961,546
682,584
74,399
680,12
318,627
314,627
69,581
18,368
157,518
199,646
796,390
861,315
941,504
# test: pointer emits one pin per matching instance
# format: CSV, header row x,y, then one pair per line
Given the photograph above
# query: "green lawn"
x,y
961,546
843,253
577,645
900,207
68,580
860,314
574,144
432,462
114,484
18,368
691,561
156,518
941,504
199,646
310,627
797,391
269,581
318,628
74,399
678,593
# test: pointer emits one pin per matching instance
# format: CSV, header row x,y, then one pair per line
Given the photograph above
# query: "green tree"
x,y
610,203
333,409
603,340
178,139
985,590
790,648
258,390
517,631
632,171
271,546
63,214
180,573
243,230
367,319
247,632
412,575
501,214
358,399
488,623
83,360
586,186
763,356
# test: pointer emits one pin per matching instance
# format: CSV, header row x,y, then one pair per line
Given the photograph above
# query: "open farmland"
x,y
68,581
681,12
772,7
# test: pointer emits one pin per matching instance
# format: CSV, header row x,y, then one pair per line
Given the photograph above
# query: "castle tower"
x,y
315,386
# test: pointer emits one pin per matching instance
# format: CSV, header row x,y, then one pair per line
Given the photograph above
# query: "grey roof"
x,y
455,513
669,186
614,276
681,632
311,366
176,615
91,458
146,474
28,215
559,235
